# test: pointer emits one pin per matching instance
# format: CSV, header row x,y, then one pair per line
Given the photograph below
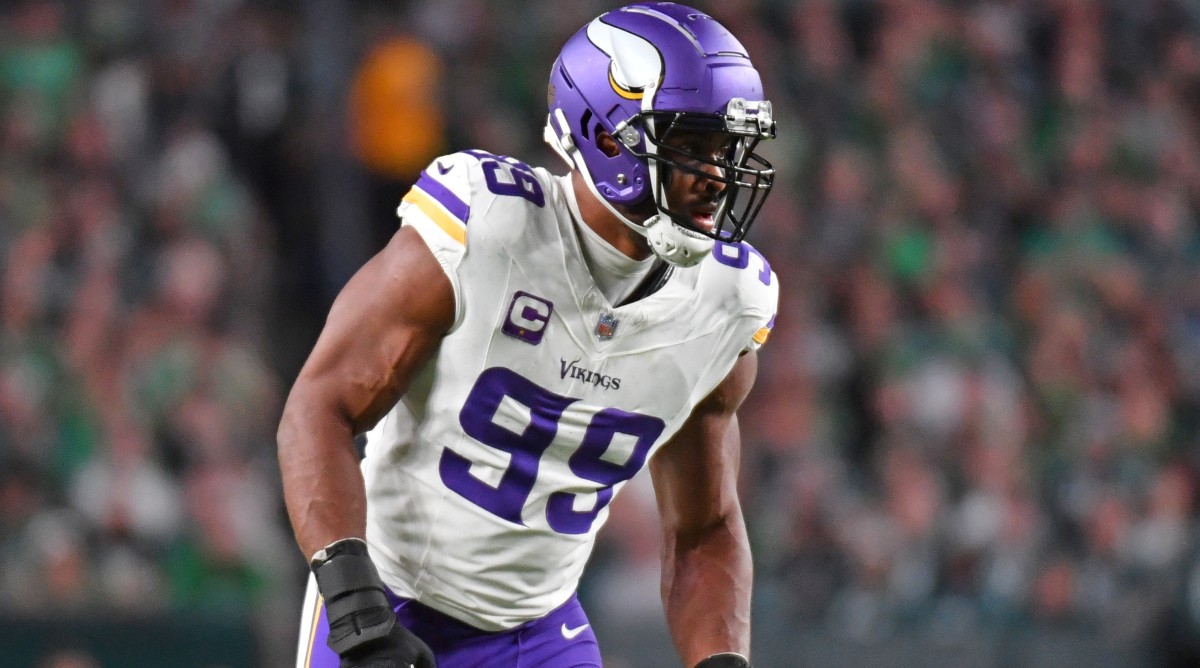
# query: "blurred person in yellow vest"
x,y
396,122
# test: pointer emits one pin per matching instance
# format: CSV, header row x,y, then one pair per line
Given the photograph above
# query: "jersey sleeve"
x,y
760,337
757,290
438,207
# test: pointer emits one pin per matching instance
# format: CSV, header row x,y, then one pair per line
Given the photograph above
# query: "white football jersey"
x,y
487,483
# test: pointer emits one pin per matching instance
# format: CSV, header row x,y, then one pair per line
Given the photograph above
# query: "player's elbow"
x,y
721,528
300,420
288,431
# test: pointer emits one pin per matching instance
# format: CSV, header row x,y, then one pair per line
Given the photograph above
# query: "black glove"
x,y
725,660
362,627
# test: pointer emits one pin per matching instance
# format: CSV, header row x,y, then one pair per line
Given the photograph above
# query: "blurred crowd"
x,y
977,413
980,409
137,399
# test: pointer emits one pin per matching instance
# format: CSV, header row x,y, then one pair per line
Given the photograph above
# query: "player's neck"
x,y
602,221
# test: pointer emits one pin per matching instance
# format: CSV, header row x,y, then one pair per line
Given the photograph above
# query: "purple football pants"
x,y
561,639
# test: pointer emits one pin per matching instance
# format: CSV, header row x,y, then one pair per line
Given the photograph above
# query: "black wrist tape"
x,y
355,603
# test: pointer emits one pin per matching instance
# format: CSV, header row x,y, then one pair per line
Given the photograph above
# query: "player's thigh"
x,y
562,639
454,644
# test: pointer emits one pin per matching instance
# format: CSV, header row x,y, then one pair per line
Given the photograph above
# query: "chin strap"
x,y
676,244
668,240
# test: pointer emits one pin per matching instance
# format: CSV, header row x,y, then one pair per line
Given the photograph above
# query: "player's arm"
x,y
383,326
706,570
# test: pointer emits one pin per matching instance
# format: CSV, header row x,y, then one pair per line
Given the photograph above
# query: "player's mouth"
x,y
703,218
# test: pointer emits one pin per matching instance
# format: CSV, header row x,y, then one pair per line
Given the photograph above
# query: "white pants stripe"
x,y
310,612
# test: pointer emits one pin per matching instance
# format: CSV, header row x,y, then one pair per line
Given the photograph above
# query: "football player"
x,y
522,347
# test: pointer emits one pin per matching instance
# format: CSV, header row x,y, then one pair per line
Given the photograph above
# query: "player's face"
x,y
694,188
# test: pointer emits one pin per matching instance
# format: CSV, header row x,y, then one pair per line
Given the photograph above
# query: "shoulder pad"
x,y
755,287
453,184
746,268
444,192
508,177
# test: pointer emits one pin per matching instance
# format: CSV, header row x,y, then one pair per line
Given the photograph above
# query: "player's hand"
x,y
725,660
363,630
400,648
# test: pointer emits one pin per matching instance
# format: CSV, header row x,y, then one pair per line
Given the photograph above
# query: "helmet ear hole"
x,y
606,143
583,122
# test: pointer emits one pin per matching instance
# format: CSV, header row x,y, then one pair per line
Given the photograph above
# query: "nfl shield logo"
x,y
606,326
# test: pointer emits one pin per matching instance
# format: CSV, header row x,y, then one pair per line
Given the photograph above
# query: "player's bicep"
x,y
695,473
383,326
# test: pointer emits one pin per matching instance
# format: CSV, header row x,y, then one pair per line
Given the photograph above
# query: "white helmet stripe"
x,y
691,37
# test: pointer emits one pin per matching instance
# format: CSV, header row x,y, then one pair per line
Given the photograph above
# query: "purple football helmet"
x,y
641,73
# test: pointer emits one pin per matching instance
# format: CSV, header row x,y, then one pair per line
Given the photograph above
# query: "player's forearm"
x,y
707,581
322,482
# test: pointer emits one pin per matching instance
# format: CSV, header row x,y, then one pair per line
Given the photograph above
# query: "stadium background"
x,y
973,441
